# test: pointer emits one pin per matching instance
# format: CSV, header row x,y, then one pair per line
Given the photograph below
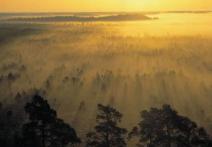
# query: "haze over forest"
x,y
151,60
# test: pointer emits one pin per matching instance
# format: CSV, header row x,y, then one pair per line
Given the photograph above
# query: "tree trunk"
x,y
169,142
43,136
107,140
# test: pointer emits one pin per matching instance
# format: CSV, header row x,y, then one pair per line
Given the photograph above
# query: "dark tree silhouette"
x,y
166,128
7,127
107,133
44,129
11,120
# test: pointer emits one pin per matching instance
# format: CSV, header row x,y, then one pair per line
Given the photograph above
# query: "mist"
x,y
78,65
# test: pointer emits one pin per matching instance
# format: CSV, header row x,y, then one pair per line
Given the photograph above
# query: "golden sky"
x,y
102,5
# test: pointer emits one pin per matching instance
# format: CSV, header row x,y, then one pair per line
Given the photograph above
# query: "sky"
x,y
102,5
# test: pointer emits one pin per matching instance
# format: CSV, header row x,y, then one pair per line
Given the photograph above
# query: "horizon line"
x,y
144,11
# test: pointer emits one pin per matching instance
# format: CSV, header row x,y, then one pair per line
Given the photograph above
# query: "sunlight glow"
x,y
103,5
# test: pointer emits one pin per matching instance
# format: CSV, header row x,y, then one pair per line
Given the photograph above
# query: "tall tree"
x,y
44,129
166,128
107,132
11,120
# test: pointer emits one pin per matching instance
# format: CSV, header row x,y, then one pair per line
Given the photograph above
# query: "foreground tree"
x,y
107,133
11,121
7,127
44,129
166,128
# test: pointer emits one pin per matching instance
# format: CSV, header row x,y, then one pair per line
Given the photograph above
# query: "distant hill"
x,y
117,17
87,16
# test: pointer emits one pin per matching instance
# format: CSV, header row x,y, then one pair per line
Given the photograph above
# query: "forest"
x,y
105,81
36,124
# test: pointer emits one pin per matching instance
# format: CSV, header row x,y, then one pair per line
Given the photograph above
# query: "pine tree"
x,y
165,127
107,132
44,129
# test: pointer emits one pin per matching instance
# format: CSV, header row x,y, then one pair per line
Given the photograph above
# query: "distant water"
x,y
183,24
